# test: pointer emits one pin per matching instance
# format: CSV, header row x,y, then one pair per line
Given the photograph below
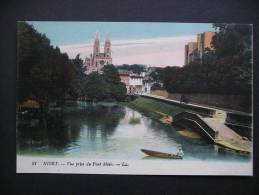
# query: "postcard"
x,y
135,98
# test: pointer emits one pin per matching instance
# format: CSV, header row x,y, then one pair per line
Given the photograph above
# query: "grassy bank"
x,y
153,108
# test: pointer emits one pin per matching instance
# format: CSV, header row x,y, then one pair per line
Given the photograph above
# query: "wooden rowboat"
x,y
161,154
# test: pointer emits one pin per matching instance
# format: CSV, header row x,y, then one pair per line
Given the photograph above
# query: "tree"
x,y
233,51
171,76
135,68
226,69
44,73
117,88
78,84
157,74
97,86
78,64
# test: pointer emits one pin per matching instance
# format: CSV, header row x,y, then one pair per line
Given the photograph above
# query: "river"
x,y
110,131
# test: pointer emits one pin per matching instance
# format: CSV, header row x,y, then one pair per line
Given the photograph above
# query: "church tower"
x,y
96,45
107,46
98,59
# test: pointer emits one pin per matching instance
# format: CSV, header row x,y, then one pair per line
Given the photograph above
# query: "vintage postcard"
x,y
137,98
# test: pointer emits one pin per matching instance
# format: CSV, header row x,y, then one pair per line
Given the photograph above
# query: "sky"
x,y
154,44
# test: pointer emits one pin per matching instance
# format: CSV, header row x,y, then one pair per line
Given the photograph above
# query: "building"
x,y
191,52
124,76
204,42
194,51
98,60
133,82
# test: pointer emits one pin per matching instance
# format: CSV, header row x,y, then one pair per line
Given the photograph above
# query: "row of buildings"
x,y
194,51
136,83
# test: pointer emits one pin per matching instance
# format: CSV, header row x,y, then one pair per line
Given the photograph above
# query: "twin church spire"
x,y
107,45
99,59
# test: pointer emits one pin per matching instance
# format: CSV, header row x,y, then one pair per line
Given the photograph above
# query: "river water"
x,y
110,131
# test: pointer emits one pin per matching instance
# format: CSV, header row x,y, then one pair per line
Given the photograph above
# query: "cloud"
x,y
161,51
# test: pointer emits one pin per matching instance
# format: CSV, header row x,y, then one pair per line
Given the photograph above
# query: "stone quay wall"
x,y
234,102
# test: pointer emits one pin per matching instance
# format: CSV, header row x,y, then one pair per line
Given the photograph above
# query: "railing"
x,y
205,110
197,119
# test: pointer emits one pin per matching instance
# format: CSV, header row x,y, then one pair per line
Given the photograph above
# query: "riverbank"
x,y
113,131
156,109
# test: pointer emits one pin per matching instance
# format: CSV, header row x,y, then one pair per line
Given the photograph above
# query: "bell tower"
x,y
107,46
96,45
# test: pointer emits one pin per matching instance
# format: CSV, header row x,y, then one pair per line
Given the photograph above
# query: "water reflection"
x,y
60,129
109,131
51,132
100,118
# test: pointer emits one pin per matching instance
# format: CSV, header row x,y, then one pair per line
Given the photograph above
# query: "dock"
x,y
213,126
216,131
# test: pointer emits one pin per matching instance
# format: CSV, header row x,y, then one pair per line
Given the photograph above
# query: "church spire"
x,y
107,37
97,36
96,45
107,46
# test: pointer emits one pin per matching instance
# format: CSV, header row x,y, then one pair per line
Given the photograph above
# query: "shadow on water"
x,y
100,118
60,129
51,133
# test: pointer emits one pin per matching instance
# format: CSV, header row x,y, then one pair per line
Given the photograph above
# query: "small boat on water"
x,y
178,155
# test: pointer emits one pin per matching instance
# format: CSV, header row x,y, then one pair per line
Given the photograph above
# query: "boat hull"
x,y
161,154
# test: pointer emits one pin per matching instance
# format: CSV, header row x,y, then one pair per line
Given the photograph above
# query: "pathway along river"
x,y
110,131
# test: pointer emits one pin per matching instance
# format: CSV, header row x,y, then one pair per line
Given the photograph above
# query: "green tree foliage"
x,y
77,85
158,74
97,86
135,68
117,88
44,73
78,64
226,69
233,51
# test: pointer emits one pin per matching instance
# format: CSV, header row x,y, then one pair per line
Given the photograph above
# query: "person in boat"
x,y
184,100
180,151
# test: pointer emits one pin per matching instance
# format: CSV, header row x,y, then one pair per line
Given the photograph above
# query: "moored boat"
x,y
162,154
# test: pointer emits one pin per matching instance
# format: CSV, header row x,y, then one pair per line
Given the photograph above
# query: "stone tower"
x,y
96,48
98,60
107,46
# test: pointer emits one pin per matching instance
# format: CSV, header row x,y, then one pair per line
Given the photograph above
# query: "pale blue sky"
x,y
64,33
154,44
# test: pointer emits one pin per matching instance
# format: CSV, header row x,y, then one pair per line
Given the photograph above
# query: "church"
x,y
97,59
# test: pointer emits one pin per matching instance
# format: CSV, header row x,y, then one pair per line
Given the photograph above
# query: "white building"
x,y
147,87
133,82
